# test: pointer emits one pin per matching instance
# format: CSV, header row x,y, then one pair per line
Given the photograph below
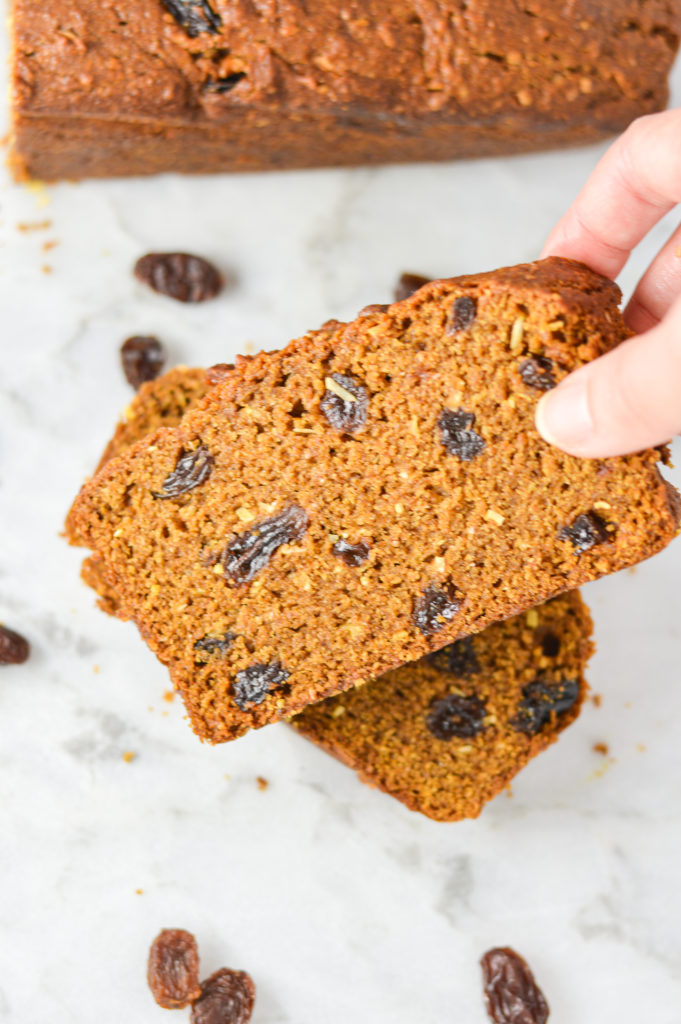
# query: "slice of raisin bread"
x,y
371,493
447,733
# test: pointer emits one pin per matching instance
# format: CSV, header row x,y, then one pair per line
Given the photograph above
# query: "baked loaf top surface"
x,y
374,491
447,733
203,60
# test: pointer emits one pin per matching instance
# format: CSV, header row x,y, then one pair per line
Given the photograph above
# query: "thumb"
x,y
627,400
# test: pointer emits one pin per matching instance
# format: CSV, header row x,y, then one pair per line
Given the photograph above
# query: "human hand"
x,y
630,398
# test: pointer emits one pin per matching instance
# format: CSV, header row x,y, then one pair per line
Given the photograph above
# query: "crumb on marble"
x,y
641,747
262,783
596,699
47,269
601,748
51,243
95,669
169,696
139,891
26,226
129,756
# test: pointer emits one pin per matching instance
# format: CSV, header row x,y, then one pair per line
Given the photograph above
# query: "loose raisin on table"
x,y
464,312
585,532
142,358
14,650
458,658
179,275
227,997
456,715
345,403
173,969
435,608
541,700
456,434
407,284
512,996
537,373
192,469
252,684
352,554
214,644
194,16
250,552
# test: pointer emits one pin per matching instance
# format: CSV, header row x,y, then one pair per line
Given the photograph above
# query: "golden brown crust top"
x,y
434,466
475,62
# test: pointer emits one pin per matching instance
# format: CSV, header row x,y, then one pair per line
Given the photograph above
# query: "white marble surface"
x,y
342,904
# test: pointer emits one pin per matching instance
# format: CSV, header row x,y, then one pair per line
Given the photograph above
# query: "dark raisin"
x,y
345,408
352,554
250,552
550,644
372,308
541,700
227,997
216,374
512,996
456,434
179,275
142,358
225,84
173,969
254,683
537,373
192,468
585,532
407,284
213,644
464,312
455,715
14,650
458,658
435,608
194,16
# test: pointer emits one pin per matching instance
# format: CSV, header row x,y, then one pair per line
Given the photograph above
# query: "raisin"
x,y
250,552
352,554
435,608
192,469
179,275
585,532
213,644
550,644
540,701
456,434
173,970
14,650
225,84
216,374
372,308
142,359
255,682
194,16
537,373
407,284
455,715
458,658
227,997
345,407
512,996
464,312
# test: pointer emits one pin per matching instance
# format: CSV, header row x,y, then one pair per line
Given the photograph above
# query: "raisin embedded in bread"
x,y
409,431
143,86
447,733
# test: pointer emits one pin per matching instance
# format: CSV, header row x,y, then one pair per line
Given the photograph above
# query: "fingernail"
x,y
563,418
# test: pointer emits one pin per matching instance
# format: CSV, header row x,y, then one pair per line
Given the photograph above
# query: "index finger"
x,y
632,187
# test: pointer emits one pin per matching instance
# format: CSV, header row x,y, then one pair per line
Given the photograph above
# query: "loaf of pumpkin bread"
x,y
142,86
369,494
